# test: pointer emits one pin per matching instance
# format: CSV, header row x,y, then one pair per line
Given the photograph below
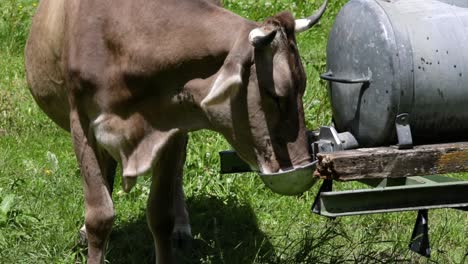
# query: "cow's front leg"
x,y
108,168
162,208
99,211
182,232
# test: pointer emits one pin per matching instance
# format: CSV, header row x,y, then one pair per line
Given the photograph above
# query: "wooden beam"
x,y
390,162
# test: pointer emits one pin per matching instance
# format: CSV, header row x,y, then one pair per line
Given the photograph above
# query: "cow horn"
x,y
260,39
306,23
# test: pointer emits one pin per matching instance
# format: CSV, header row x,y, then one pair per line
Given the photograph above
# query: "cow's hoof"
x,y
182,238
82,237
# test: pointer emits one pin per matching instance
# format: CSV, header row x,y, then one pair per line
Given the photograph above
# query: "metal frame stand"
x,y
420,237
327,186
392,195
396,195
387,195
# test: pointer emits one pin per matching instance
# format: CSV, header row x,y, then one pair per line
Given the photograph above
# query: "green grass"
x,y
235,219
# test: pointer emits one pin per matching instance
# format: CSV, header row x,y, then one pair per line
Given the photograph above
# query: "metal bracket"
x,y
330,140
420,237
327,186
405,140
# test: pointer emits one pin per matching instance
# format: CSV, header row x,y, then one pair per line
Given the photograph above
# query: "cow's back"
x,y
110,39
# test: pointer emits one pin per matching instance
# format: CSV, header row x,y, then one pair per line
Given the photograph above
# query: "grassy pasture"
x,y
235,219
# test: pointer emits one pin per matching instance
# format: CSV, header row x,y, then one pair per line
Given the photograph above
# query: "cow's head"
x,y
256,98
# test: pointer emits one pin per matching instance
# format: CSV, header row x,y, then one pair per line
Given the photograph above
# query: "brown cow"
x,y
130,79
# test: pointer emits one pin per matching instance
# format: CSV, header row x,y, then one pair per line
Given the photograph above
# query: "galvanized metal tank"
x,y
391,57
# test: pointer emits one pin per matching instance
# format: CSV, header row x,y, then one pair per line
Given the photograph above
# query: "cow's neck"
x,y
191,98
165,70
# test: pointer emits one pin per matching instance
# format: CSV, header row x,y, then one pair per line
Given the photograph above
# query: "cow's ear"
x,y
226,84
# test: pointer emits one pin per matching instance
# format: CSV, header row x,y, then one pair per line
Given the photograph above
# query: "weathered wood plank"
x,y
390,162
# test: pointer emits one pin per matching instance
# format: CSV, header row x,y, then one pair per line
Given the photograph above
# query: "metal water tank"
x,y
386,58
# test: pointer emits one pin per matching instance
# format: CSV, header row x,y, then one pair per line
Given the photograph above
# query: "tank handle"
x,y
328,76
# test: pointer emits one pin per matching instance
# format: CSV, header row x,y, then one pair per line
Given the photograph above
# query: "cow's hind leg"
x,y
166,210
99,210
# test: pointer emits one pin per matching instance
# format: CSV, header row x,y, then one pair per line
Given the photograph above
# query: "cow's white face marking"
x,y
265,169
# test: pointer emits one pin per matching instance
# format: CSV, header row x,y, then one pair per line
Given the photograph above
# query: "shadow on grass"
x,y
334,242
131,243
225,231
